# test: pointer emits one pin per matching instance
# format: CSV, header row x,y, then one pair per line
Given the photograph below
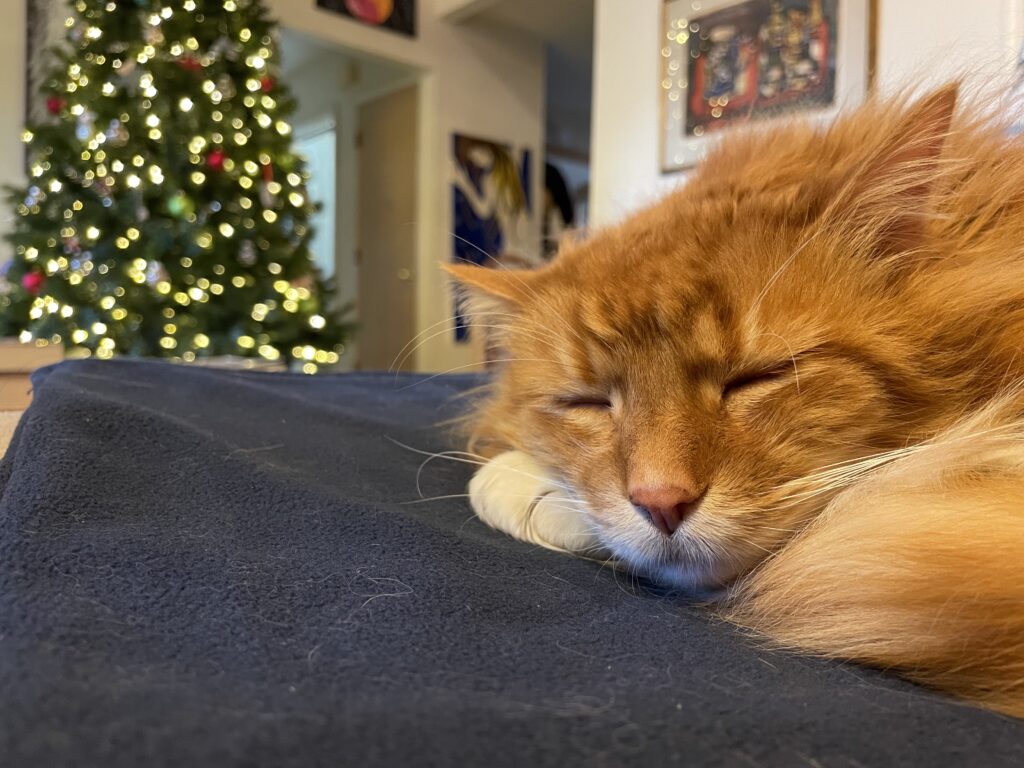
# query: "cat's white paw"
x,y
513,494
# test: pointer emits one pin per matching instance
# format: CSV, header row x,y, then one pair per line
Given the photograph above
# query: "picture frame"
x,y
44,29
392,15
730,62
493,211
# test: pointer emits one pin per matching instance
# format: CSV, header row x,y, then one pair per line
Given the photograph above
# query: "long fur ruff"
x,y
919,567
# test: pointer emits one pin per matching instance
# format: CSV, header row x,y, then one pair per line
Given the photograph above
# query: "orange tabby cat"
x,y
795,381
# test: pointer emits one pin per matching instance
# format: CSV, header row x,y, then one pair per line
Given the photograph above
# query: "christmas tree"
x,y
165,212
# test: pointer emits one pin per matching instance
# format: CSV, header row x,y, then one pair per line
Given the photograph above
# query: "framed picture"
x,y
44,28
492,209
726,62
395,15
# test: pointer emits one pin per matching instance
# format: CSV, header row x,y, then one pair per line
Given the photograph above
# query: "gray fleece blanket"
x,y
207,568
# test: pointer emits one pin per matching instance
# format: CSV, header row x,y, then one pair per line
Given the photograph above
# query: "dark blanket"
x,y
203,568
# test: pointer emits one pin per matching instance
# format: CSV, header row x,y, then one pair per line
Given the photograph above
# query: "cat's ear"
x,y
890,194
503,286
490,298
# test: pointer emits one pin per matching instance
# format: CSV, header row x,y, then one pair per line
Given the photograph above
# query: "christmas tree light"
x,y
166,212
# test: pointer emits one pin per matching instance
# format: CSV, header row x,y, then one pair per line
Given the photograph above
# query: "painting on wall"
x,y
395,15
1017,128
44,29
730,62
492,207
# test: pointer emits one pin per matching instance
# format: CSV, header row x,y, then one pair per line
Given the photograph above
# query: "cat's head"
x,y
700,374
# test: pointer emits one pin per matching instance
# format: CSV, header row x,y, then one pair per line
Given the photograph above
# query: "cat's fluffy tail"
x,y
919,568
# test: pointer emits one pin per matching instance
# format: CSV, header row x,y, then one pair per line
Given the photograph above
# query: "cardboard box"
x,y
17,361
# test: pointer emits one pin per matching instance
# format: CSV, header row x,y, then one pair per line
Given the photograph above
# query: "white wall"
x,y
12,98
456,10
930,39
474,80
624,141
934,40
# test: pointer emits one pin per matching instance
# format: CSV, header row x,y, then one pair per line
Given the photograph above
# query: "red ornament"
x,y
33,282
267,83
190,64
215,160
55,104
268,172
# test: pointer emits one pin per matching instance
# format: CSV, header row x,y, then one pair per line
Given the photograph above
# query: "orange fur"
x,y
822,329
916,568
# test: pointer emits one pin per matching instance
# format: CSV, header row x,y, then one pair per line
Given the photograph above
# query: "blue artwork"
x,y
491,204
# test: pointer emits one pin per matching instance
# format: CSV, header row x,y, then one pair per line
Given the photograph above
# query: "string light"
x,y
99,259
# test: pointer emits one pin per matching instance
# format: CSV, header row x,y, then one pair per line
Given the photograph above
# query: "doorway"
x,y
357,126
386,228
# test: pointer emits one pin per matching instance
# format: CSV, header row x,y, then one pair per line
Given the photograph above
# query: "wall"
x,y
929,39
936,40
473,79
624,163
12,97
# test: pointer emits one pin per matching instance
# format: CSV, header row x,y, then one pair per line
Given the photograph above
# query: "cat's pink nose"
x,y
665,506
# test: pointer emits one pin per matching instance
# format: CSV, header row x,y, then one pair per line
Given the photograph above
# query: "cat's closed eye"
x,y
584,402
749,380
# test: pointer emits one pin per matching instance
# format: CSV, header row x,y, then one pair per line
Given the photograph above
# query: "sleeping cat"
x,y
795,383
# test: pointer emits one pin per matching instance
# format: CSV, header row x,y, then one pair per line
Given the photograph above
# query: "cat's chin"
x,y
671,563
684,579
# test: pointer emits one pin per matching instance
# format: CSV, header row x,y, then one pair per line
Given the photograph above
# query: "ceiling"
x,y
568,25
299,51
565,26
567,29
